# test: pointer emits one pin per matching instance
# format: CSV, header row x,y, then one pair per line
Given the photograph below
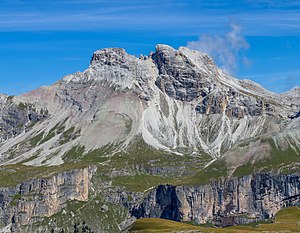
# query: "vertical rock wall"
x,y
32,200
224,202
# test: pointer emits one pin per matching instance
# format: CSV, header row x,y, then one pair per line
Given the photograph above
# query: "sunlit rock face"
x,y
172,102
177,100
228,202
32,200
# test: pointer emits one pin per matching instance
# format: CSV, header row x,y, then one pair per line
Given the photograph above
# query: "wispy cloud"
x,y
186,17
226,50
291,81
274,3
278,82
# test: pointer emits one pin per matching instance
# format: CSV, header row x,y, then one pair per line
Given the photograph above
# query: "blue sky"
x,y
41,41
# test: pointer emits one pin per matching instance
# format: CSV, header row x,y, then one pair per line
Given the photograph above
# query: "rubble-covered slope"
x,y
176,100
171,117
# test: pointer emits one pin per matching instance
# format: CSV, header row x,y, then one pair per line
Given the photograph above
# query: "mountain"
x,y
101,141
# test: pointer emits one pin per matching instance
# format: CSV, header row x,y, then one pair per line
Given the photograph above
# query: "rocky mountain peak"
x,y
292,98
110,65
3,98
198,57
171,116
175,99
183,73
185,68
109,56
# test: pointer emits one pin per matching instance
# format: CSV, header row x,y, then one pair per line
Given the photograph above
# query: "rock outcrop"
x,y
16,118
224,202
165,116
32,200
177,100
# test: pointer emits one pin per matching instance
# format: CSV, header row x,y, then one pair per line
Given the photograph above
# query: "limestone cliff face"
x,y
173,103
32,200
224,202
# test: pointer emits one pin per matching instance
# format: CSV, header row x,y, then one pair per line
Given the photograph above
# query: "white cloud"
x,y
291,81
277,82
226,50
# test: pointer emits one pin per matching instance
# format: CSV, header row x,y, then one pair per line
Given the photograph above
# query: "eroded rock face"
x,y
32,200
112,57
180,77
177,100
229,202
16,118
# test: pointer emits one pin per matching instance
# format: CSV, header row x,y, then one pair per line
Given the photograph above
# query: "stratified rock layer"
x,y
35,199
166,115
224,202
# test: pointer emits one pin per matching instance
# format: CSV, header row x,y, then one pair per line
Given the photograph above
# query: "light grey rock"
x,y
224,202
32,200
177,100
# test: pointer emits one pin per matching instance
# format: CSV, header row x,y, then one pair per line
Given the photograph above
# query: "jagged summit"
x,y
109,56
169,117
295,90
182,72
175,100
3,98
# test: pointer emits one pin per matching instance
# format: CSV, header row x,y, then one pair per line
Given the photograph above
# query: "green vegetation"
x,y
134,169
14,174
141,154
32,157
20,126
279,161
215,171
161,225
41,137
141,182
57,129
32,123
138,181
287,220
15,200
44,112
22,106
74,154
200,225
138,161
66,136
97,156
92,157
35,140
142,161
95,213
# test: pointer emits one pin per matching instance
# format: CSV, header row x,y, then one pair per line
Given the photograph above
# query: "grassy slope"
x,y
140,159
287,220
137,156
280,161
92,213
14,174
